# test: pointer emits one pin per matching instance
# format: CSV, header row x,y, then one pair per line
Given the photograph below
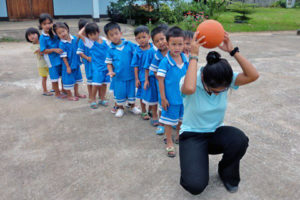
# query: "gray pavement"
x,y
54,149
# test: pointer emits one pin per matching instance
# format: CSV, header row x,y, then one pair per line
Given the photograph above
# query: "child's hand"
x,y
146,85
195,45
137,83
227,45
58,51
89,59
69,71
165,104
111,74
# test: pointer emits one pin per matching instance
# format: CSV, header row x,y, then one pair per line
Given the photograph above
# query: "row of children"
x,y
149,72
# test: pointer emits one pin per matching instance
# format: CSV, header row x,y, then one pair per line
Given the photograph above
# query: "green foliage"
x,y
279,4
189,23
243,9
166,14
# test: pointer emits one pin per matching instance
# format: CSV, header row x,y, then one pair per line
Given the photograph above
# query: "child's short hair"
x,y
174,32
141,29
30,31
60,25
82,23
162,28
91,28
110,26
188,35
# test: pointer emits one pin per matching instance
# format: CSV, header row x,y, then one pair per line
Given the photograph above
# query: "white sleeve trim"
x,y
161,74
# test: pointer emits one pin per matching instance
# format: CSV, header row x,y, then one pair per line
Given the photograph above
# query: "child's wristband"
x,y
194,57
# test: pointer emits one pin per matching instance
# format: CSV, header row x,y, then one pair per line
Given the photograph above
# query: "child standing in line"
x,y
71,73
49,47
32,35
171,69
188,37
118,61
84,53
98,49
158,36
140,63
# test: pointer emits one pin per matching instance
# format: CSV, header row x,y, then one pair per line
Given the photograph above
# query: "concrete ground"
x,y
56,149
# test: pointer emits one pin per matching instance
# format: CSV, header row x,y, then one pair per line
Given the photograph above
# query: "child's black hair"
x,y
82,23
42,18
60,25
188,34
174,32
162,28
91,28
141,29
110,26
30,31
217,72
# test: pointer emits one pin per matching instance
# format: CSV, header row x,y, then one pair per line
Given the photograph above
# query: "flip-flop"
x,y
81,96
47,94
145,116
62,96
171,152
73,98
154,122
160,130
52,90
103,103
94,105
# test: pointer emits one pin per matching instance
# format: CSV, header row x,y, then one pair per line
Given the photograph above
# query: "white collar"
x,y
65,41
45,34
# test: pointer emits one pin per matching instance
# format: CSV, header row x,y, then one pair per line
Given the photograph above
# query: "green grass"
x,y
264,19
9,39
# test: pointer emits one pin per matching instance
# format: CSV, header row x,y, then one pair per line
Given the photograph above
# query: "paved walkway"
x,y
54,149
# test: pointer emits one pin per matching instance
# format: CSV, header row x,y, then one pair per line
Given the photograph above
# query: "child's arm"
x,y
250,73
111,73
65,59
81,34
136,75
161,85
80,51
146,84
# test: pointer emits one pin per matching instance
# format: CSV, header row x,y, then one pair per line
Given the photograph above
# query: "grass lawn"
x,y
264,19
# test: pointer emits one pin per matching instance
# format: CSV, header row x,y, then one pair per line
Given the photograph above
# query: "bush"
x,y
243,9
279,4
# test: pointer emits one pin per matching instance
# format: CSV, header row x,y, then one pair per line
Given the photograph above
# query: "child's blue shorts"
x,y
55,72
124,91
69,80
172,116
88,72
100,77
150,95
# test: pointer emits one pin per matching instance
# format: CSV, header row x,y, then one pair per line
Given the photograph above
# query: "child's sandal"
x,y
48,94
154,122
171,152
73,98
103,103
81,96
160,130
94,105
145,116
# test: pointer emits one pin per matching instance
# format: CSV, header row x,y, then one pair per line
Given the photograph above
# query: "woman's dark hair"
x,y
141,29
162,28
60,25
217,72
82,23
42,18
30,31
174,32
91,28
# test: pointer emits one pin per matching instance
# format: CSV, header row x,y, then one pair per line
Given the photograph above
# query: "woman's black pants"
x,y
194,149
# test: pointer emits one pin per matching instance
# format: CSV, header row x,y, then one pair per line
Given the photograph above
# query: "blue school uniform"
x,y
87,65
53,59
173,74
98,52
120,56
69,51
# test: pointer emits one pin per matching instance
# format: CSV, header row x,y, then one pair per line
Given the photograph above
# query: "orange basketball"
x,y
213,32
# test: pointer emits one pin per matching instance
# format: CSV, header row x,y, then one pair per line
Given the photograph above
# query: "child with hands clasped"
x,y
118,62
140,62
98,48
32,35
49,47
71,73
171,69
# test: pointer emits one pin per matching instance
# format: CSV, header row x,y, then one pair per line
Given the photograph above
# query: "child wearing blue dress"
x,y
158,36
49,47
71,73
85,55
170,71
140,62
118,61
98,48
